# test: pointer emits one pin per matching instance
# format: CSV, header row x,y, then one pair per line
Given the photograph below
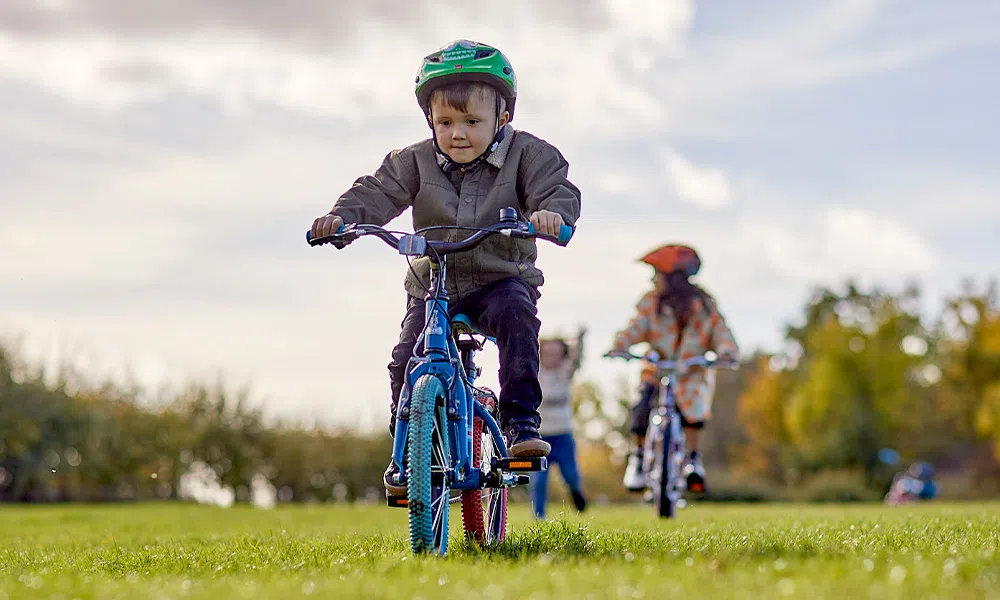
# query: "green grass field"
x,y
711,551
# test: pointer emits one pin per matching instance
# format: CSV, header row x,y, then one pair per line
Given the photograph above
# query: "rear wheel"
x,y
484,511
428,460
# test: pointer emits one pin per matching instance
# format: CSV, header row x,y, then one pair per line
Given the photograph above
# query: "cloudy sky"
x,y
160,162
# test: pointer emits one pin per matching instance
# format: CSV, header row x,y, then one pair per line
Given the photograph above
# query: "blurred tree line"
x,y
62,439
867,370
861,370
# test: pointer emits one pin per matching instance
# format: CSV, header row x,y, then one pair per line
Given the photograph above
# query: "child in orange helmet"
x,y
679,320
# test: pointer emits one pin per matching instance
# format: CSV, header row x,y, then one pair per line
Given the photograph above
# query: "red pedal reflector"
x,y
519,464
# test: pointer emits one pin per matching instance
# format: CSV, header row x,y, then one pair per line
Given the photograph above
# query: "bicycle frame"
x,y
442,358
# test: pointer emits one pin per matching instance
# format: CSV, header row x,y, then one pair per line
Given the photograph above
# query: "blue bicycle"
x,y
447,437
664,452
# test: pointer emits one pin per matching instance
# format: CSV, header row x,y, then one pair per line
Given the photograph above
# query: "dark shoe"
x,y
694,472
579,501
392,477
523,441
394,486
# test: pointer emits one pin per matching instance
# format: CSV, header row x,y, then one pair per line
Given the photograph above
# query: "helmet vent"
x,y
483,54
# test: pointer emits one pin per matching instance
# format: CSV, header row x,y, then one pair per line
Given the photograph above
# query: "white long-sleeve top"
x,y
557,399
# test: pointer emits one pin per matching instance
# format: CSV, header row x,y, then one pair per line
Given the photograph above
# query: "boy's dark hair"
x,y
555,340
680,297
458,94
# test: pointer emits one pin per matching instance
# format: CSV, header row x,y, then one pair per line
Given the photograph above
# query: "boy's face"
x,y
465,135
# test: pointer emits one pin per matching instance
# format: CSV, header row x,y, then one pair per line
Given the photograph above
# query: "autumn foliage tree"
x,y
864,372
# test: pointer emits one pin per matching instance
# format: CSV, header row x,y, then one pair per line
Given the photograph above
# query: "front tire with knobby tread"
x,y
426,448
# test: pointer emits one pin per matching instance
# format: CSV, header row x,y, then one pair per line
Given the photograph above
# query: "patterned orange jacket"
x,y
706,330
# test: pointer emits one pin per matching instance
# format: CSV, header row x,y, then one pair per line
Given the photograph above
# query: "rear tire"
x,y
484,511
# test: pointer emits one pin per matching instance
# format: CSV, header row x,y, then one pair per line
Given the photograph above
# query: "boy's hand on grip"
x,y
547,222
326,225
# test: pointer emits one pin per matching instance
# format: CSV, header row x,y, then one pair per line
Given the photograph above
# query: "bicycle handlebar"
x,y
415,244
672,365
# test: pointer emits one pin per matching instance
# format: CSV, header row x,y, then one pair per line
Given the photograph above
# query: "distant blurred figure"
x,y
558,363
912,485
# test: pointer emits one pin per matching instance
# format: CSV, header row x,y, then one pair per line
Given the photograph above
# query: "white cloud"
x,y
568,75
706,187
238,71
618,183
657,22
848,243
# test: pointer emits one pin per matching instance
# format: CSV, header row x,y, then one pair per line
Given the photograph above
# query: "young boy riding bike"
x,y
474,165
679,320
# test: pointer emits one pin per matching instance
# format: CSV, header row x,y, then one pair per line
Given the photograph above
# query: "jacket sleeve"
x,y
379,198
546,184
723,341
637,329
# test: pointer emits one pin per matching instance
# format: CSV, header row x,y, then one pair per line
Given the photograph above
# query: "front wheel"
x,y
664,471
665,502
428,461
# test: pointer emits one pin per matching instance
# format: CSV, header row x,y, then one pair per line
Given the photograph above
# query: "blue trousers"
x,y
563,453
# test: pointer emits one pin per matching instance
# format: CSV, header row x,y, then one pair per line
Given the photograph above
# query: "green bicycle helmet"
x,y
465,60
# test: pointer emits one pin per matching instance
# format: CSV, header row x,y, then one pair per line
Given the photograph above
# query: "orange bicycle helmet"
x,y
672,258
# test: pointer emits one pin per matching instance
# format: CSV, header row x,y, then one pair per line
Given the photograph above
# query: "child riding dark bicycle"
x,y
679,320
473,165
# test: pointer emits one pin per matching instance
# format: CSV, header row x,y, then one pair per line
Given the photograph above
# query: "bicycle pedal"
x,y
533,463
397,501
